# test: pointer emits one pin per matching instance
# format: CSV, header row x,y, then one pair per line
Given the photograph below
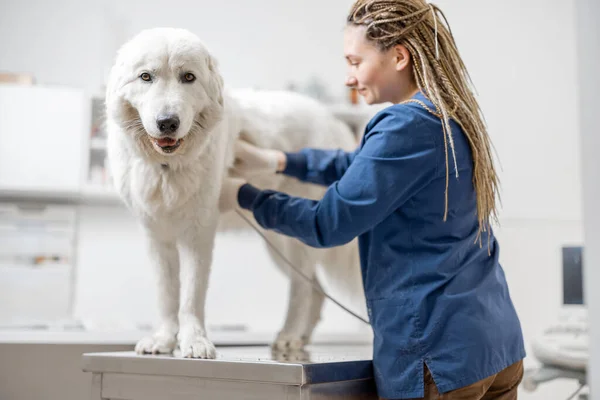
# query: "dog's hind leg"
x,y
165,258
316,305
284,349
300,318
196,249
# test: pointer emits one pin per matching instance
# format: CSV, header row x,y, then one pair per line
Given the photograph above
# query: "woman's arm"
x,y
322,167
394,163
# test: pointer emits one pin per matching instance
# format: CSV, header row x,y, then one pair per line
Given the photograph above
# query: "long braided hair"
x,y
442,76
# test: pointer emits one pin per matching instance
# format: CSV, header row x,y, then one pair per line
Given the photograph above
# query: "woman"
x,y
419,193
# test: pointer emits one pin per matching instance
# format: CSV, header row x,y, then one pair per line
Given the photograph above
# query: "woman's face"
x,y
379,76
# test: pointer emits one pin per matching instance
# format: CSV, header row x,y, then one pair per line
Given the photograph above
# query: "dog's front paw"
x,y
160,343
195,345
287,341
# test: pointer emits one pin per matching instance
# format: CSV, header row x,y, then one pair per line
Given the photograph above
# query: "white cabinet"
x,y
37,257
43,134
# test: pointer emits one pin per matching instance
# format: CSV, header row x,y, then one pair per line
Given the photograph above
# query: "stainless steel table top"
x,y
317,364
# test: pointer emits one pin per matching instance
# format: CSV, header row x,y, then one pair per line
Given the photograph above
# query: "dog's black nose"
x,y
167,124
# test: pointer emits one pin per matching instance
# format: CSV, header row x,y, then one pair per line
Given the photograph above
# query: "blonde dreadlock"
x,y
442,76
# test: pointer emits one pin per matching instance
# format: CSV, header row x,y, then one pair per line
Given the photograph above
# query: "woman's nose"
x,y
351,81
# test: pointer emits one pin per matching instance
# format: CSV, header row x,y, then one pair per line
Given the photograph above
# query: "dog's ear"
x,y
214,88
215,81
112,97
115,80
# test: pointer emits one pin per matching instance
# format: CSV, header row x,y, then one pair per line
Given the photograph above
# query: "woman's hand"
x,y
252,160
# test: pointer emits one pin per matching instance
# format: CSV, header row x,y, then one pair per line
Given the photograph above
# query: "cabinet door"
x,y
37,251
42,133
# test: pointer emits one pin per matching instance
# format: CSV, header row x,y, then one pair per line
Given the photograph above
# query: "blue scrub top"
x,y
434,294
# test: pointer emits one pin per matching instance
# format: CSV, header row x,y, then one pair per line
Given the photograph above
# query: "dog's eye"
x,y
146,77
189,77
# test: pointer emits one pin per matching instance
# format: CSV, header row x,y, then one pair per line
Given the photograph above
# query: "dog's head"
x,y
165,92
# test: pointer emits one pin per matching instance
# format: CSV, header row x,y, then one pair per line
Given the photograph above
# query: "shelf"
x,y
89,195
359,113
98,143
99,195
46,196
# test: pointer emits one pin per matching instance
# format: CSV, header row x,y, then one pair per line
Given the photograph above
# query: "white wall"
x,y
74,42
588,33
521,56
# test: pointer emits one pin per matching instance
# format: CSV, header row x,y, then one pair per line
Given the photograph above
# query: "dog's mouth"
x,y
166,144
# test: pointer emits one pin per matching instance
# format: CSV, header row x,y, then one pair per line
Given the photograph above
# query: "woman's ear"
x,y
401,57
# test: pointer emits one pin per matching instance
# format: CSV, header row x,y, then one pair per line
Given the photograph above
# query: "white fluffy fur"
x,y
175,195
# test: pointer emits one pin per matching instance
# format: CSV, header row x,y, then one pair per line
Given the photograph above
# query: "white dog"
x,y
171,130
